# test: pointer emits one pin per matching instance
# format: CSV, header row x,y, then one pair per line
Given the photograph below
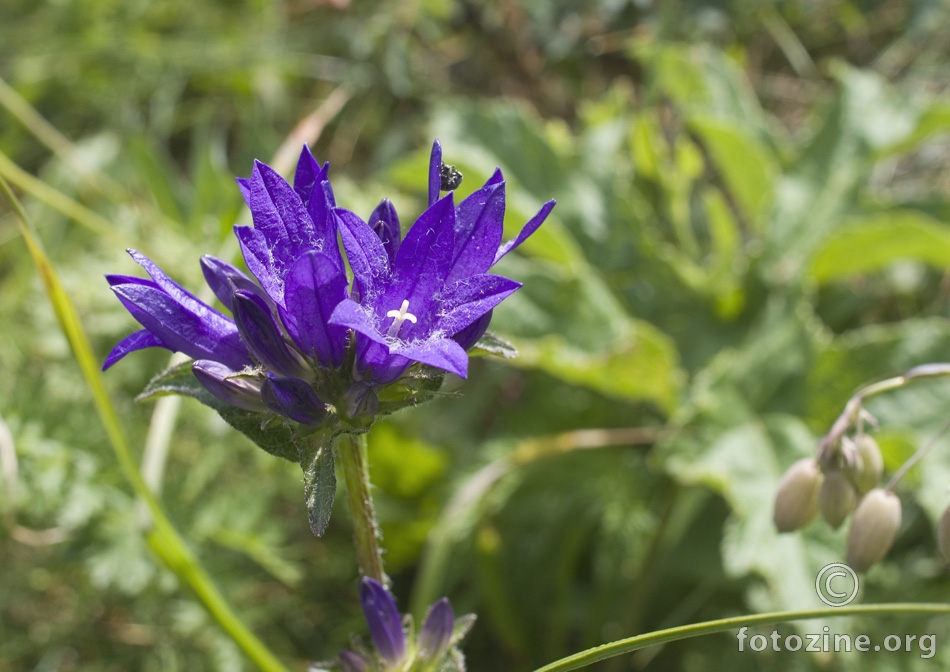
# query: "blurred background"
x,y
752,221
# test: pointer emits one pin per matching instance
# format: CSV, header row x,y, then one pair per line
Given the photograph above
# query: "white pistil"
x,y
400,316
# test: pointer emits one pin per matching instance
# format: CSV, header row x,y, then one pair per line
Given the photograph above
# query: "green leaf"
x,y
873,243
493,344
744,464
866,354
641,366
747,168
267,430
319,483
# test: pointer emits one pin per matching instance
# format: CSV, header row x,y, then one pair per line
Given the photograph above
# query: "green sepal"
x,y
268,430
319,480
493,344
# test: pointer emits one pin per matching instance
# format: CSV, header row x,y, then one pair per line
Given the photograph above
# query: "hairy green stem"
x,y
631,644
351,454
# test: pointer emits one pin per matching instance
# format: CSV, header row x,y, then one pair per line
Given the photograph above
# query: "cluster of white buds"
x,y
841,480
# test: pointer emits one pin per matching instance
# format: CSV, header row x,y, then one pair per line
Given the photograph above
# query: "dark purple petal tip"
x,y
436,633
383,619
263,338
226,385
435,172
293,398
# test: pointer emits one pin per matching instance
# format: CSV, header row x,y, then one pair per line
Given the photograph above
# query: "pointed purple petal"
x,y
244,184
365,252
134,341
496,178
169,286
435,172
442,353
203,335
353,316
293,398
471,298
308,174
223,278
479,225
421,266
528,229
385,623
382,367
281,216
259,261
470,335
436,633
314,287
262,336
228,386
385,223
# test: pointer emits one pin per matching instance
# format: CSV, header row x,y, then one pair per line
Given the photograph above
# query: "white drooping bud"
x,y
796,501
873,529
871,468
836,498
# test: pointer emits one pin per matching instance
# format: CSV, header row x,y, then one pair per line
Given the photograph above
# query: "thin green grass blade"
x,y
163,538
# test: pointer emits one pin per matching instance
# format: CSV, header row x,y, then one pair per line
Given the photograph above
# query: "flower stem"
x,y
631,644
351,454
852,409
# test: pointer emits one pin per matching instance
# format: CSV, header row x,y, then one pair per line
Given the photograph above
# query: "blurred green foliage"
x,y
752,221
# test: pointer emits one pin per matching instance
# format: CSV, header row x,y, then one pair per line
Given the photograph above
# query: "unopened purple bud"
x,y
228,386
385,623
224,279
263,337
351,661
293,398
436,633
385,223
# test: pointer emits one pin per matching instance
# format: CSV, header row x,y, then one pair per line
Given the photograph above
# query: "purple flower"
x,y
386,630
287,349
269,355
384,620
436,633
428,297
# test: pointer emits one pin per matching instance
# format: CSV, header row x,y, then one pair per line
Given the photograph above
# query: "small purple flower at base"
x,y
436,633
384,621
431,648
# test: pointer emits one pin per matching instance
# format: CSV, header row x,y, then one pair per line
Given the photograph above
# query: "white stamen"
x,y
400,316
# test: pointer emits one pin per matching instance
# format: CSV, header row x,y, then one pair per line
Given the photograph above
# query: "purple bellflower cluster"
x,y
311,350
305,341
395,647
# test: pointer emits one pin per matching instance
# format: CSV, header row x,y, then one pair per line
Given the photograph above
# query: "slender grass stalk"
x,y
57,143
56,200
162,536
350,452
631,644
